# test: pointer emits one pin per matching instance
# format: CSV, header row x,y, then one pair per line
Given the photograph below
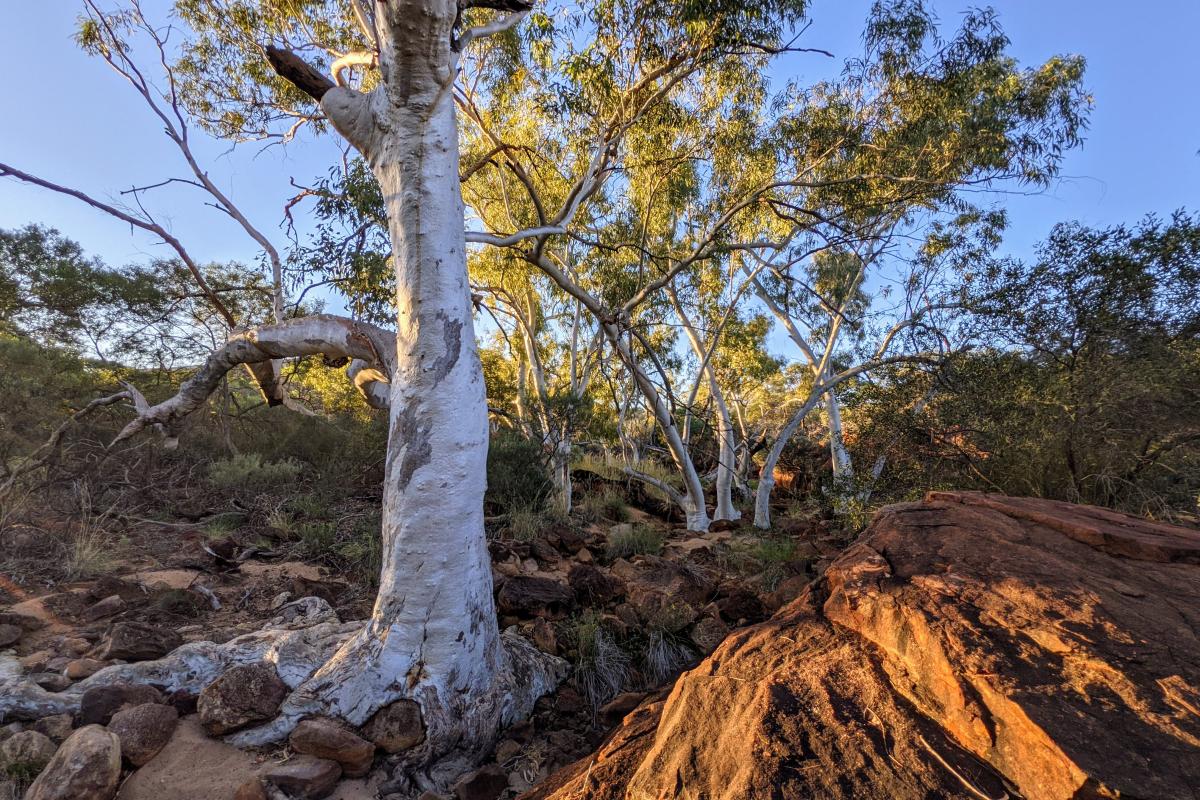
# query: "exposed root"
x,y
297,647
314,655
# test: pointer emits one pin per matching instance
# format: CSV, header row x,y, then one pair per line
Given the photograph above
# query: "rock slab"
x,y
965,646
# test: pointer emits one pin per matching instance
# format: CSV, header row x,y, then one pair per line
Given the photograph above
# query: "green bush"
x,y
638,540
517,476
250,471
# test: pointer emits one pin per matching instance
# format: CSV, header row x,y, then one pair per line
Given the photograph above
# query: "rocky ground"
x,y
967,646
630,604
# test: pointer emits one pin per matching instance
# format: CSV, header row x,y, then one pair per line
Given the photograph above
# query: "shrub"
x,y
317,538
638,540
602,666
250,471
517,476
524,524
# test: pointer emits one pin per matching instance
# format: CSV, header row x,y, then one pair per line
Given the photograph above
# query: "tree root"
x,y
296,647
308,648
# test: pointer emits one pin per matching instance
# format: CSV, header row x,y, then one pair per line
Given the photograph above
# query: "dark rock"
x,y
86,767
10,634
707,633
535,597
305,778
138,641
594,586
620,706
485,783
788,590
144,730
740,606
396,727
719,525
108,607
243,695
324,738
99,703
22,621
545,552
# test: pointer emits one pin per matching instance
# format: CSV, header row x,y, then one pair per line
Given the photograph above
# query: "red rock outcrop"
x,y
969,646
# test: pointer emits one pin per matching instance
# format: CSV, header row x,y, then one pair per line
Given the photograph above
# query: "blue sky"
x,y
69,119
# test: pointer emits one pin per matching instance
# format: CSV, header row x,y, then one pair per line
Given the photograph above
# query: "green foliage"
x,y
1084,388
637,540
517,476
250,471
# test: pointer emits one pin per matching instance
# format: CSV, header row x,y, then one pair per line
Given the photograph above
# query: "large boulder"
x,y
144,730
966,646
242,696
86,767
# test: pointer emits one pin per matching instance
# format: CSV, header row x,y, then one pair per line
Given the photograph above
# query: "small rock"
x,y
396,727
56,726
584,556
619,707
324,738
541,633
709,632
23,621
535,597
138,641
718,525
108,607
507,750
788,590
86,767
740,605
241,696
82,668
485,783
10,634
252,789
99,703
280,600
144,730
51,681
76,645
593,586
568,701
26,753
36,661
306,778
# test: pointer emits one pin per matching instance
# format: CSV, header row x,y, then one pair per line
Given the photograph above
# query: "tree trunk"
x,y
433,636
766,476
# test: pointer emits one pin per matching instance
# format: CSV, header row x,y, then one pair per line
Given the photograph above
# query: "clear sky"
x,y
67,118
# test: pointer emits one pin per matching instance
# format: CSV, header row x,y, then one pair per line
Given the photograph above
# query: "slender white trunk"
x,y
766,476
843,467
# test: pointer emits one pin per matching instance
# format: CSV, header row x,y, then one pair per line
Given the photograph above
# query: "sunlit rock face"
x,y
968,645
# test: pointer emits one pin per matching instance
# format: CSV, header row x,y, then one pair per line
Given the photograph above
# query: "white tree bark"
x,y
433,636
